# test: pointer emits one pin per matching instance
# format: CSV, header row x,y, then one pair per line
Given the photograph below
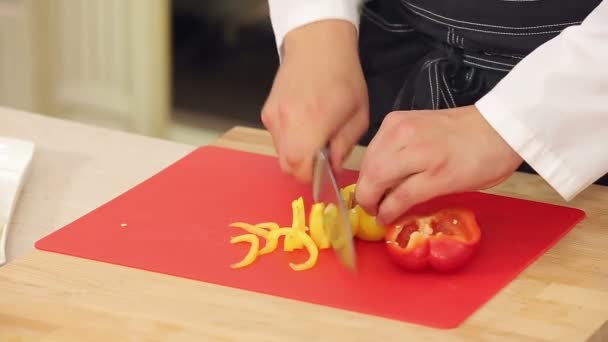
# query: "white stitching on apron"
x,y
448,89
489,61
485,66
469,75
404,2
431,86
503,55
437,83
385,25
447,104
486,31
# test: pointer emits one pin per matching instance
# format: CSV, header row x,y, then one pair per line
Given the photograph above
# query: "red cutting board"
x,y
176,223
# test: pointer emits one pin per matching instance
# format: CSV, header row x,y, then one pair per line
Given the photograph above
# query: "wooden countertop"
x,y
563,296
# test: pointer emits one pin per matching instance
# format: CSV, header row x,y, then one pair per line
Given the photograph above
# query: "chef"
x,y
448,95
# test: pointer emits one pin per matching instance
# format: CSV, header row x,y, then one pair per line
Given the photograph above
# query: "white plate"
x,y
15,158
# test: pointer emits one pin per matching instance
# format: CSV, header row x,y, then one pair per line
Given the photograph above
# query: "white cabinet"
x,y
104,62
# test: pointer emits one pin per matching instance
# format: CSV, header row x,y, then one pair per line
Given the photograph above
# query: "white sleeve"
x,y
552,108
286,15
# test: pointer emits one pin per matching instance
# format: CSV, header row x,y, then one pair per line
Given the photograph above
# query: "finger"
x,y
414,189
385,143
268,120
347,137
386,132
321,123
298,149
386,170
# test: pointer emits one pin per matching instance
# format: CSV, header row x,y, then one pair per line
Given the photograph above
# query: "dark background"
x,y
223,57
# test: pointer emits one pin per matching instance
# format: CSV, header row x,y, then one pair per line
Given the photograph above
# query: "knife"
x,y
325,189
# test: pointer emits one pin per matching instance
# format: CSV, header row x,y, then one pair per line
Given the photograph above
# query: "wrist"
x,y
330,38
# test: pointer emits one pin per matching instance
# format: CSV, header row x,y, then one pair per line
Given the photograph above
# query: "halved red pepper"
x,y
444,240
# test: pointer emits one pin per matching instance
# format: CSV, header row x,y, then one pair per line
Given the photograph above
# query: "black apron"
x,y
437,54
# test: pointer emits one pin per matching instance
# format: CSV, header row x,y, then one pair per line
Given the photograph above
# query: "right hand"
x,y
318,98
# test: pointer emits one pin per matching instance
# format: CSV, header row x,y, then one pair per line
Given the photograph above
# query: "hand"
x,y
319,97
418,155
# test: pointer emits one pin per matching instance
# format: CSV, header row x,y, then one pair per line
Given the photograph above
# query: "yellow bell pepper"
x,y
353,218
317,230
298,223
369,229
312,249
330,220
347,193
253,229
253,250
268,225
330,215
322,218
273,239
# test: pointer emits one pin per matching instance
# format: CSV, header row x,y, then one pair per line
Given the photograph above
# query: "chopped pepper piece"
x,y
353,218
330,215
348,197
273,239
444,240
268,225
330,219
364,225
369,229
253,229
317,229
347,191
312,249
253,250
321,218
298,223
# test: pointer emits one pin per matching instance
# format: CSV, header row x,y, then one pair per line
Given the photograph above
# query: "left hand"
x,y
418,155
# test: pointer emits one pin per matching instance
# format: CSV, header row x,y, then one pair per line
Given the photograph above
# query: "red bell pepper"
x,y
445,240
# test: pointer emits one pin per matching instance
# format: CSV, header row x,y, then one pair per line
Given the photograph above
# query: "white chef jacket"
x,y
551,108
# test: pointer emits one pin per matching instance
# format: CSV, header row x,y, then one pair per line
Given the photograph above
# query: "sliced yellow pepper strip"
x,y
273,240
349,188
330,219
317,231
347,193
298,223
330,215
312,249
253,250
251,229
306,241
268,225
353,217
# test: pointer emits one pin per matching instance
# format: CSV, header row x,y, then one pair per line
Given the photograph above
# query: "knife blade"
x,y
325,190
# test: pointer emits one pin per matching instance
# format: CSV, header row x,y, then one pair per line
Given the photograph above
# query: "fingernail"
x,y
372,211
